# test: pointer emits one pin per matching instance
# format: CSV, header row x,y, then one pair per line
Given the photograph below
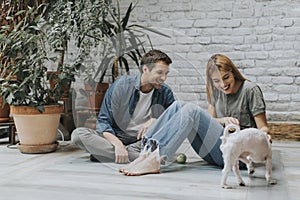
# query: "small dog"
x,y
248,145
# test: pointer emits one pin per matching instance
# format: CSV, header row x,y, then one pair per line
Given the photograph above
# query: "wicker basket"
x,y
285,130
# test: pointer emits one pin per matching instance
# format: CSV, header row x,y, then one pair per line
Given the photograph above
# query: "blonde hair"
x,y
222,63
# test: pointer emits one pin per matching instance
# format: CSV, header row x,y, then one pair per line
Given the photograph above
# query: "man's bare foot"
x,y
149,165
141,157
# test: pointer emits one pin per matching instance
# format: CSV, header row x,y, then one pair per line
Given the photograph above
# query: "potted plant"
x,y
59,33
118,43
34,105
103,39
74,22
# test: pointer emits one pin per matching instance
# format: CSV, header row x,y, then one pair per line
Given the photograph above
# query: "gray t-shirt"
x,y
243,105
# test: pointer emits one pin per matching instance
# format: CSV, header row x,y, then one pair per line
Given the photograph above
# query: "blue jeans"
x,y
185,120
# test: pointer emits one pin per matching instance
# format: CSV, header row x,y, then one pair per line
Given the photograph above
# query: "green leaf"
x,y
133,56
41,109
125,64
150,29
103,66
20,12
83,92
126,18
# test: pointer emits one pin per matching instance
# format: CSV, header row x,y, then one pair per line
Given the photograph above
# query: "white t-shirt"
x,y
141,114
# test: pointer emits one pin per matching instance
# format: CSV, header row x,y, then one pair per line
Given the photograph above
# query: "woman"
x,y
231,99
230,95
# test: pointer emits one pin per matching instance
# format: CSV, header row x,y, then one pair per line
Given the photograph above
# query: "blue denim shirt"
x,y
120,102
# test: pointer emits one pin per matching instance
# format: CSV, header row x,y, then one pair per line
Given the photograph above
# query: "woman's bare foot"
x,y
149,165
141,157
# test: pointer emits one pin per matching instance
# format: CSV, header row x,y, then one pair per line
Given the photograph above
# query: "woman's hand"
x,y
229,120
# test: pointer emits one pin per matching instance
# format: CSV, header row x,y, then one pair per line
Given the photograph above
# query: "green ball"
x,y
181,158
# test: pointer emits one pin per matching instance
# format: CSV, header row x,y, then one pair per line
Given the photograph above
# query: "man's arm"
x,y
104,125
121,154
105,116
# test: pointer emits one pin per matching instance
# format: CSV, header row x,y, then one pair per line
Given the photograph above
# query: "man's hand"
x,y
121,155
145,128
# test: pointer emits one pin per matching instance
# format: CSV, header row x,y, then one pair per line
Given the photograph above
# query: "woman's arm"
x,y
261,122
211,110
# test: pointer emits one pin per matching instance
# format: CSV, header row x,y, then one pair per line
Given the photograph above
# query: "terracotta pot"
x,y
37,131
95,95
4,111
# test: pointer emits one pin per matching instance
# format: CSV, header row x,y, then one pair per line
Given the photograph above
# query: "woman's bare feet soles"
x,y
148,164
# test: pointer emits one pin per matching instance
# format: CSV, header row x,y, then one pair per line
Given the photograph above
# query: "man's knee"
x,y
75,136
178,103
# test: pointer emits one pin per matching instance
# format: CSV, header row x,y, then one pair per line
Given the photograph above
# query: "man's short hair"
x,y
154,56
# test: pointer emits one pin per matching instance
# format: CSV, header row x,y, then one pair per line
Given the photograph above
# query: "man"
x,y
131,105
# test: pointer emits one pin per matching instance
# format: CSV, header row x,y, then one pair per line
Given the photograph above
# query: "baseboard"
x,y
285,130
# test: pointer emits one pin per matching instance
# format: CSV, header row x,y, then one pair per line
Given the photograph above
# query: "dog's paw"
x,y
227,187
242,184
251,168
272,182
251,171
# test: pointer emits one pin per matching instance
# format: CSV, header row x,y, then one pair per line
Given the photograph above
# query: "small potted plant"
x,y
34,105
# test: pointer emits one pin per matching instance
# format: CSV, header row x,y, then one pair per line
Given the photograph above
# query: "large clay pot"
x,y
37,131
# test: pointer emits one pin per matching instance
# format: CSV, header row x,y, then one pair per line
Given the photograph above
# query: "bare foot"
x,y
141,157
149,165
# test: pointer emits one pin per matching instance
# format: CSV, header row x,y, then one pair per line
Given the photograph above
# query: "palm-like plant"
x,y
96,26
121,41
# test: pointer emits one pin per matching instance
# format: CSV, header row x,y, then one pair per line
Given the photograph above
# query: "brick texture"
x,y
261,37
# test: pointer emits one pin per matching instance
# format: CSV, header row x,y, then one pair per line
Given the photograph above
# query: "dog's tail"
x,y
230,127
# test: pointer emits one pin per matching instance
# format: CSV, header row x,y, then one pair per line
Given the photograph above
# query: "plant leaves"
x,y
41,109
126,18
83,92
150,29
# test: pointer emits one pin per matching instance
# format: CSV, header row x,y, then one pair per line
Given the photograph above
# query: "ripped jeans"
x,y
185,120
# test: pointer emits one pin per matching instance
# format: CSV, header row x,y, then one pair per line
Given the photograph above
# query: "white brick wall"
x,y
262,37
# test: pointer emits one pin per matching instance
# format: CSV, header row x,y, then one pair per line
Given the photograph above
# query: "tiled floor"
x,y
68,174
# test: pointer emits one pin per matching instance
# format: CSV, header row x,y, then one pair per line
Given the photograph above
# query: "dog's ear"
x,y
269,138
